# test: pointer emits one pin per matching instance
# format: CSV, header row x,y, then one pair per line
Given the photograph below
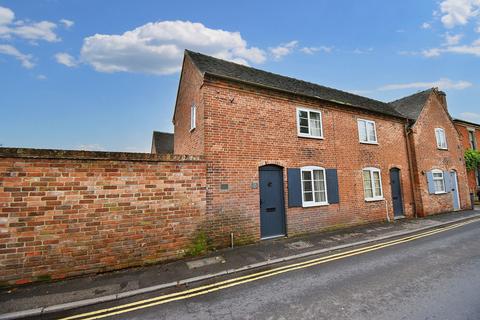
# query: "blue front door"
x,y
272,208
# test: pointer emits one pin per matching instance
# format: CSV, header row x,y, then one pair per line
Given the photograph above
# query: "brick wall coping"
x,y
93,155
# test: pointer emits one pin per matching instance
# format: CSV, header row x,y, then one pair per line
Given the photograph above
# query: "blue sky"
x,y
102,75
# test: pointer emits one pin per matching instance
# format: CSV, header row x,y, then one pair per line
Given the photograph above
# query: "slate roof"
x,y
412,106
162,142
466,122
217,67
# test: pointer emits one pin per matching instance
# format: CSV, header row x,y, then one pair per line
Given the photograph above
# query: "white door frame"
x,y
456,193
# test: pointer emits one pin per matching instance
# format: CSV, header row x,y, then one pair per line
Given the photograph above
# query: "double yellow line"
x,y
108,312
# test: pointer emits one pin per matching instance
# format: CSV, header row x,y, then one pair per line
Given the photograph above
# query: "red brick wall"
x,y
70,213
428,157
463,131
189,92
248,128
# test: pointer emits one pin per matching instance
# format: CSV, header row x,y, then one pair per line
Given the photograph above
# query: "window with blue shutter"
x,y
294,187
332,186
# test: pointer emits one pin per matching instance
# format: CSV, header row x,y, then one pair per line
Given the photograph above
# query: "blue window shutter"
x,y
431,185
294,187
332,186
447,179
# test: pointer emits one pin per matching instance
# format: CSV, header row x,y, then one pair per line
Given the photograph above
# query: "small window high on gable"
x,y
441,138
193,117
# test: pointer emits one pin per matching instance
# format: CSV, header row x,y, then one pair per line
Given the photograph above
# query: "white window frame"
x,y
442,178
440,144
375,197
314,203
472,132
368,141
309,135
193,117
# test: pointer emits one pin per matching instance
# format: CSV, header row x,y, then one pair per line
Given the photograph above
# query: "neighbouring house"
x,y
470,136
285,156
162,142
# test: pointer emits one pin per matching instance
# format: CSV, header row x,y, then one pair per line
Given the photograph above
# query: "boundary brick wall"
x,y
68,213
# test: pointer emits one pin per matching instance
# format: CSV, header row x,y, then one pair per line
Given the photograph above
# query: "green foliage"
x,y
199,245
472,159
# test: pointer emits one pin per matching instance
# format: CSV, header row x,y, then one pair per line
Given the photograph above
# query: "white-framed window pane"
x,y
377,184
362,130
371,132
193,116
439,186
367,184
307,196
303,121
315,124
319,186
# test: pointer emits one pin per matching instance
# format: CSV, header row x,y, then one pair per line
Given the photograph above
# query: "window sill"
x,y
441,192
366,142
443,149
309,137
315,205
374,199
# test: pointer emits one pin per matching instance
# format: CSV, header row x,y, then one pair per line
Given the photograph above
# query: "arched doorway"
x,y
397,197
272,205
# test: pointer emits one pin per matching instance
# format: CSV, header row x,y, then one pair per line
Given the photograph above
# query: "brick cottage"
x,y
256,156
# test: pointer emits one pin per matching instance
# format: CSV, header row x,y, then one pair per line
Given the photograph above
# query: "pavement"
x,y
47,298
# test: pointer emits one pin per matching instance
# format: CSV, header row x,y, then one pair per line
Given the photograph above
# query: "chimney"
x,y
443,98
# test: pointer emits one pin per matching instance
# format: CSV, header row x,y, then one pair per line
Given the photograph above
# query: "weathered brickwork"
x,y
427,157
65,214
463,129
246,127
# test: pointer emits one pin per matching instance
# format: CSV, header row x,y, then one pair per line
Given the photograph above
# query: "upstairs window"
x,y
367,131
441,139
471,138
309,123
193,117
314,186
372,184
438,181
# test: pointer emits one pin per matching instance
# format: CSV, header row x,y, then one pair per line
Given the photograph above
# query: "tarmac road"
x,y
436,276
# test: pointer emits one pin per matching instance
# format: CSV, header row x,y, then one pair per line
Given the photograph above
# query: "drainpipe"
x,y
410,168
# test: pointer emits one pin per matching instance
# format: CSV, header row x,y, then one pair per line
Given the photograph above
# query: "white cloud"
x,y
157,48
25,59
67,23
426,25
43,30
362,51
458,12
6,16
472,116
90,147
66,59
451,40
471,49
443,83
312,50
283,49
42,77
